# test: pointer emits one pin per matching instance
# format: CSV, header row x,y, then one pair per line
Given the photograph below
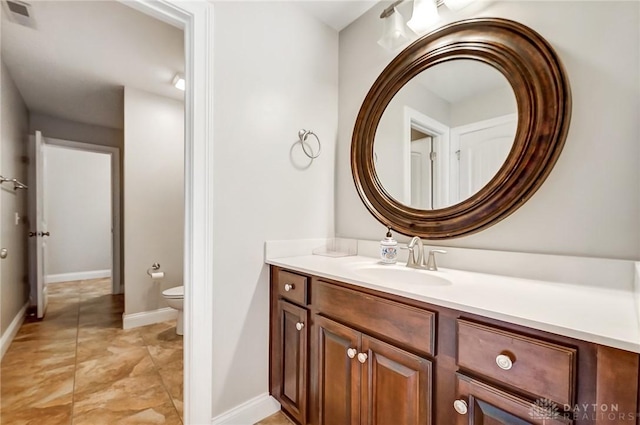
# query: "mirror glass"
x,y
445,134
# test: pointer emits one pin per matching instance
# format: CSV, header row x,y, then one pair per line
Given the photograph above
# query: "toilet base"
x,y
179,323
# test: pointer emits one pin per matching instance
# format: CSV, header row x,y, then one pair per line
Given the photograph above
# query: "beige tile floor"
x,y
79,367
276,419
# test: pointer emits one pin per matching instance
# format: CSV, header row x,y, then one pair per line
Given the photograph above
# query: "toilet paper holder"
x,y
154,267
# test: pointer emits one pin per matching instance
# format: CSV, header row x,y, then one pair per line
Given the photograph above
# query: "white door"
x,y
38,233
421,174
481,153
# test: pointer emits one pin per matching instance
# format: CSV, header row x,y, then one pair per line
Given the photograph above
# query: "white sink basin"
x,y
400,275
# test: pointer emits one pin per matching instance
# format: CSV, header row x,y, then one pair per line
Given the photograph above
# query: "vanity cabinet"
x,y
289,344
362,380
369,357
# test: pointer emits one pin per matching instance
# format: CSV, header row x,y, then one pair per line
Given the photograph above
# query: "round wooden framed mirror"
x,y
543,102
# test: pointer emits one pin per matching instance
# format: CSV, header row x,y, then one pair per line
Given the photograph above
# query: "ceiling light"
x,y
393,32
425,14
178,82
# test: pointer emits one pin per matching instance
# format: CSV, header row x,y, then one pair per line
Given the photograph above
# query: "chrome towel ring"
x,y
303,135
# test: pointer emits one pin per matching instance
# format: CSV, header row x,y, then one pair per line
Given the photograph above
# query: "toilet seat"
x,y
173,293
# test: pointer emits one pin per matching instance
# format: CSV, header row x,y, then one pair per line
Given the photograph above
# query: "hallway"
x,y
79,367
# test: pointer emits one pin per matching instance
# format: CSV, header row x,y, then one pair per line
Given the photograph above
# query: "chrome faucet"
x,y
412,261
431,261
416,261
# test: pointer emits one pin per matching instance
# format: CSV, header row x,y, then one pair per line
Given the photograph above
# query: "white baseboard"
x,y
135,320
12,330
68,277
249,412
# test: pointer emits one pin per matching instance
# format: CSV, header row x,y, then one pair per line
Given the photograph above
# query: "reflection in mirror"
x,y
445,134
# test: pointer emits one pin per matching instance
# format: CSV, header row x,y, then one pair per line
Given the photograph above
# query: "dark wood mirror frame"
x,y
543,97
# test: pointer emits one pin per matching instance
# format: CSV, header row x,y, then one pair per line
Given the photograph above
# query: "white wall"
x,y
153,197
14,285
590,204
78,210
276,72
60,128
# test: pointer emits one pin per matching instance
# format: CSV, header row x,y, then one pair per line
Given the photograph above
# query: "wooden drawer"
x,y
405,325
488,405
539,368
292,286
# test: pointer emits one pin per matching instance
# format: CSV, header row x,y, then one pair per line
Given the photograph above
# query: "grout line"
x,y
164,385
75,363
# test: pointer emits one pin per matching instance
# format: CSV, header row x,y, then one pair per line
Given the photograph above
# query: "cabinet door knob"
x,y
460,406
362,357
299,326
504,362
351,352
288,286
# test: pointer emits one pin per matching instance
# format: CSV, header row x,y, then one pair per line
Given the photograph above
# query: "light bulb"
x,y
425,14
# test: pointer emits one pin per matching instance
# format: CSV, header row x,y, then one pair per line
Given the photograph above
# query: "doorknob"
x,y
32,234
3,253
43,234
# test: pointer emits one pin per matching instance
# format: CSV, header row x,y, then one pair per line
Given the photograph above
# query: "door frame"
x,y
440,134
116,252
196,19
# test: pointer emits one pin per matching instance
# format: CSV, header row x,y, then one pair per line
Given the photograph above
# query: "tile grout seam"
x,y
164,385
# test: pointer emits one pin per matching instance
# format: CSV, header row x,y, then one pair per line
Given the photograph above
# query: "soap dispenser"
x,y
388,249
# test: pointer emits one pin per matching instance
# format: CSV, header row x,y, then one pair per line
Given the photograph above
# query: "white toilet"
x,y
175,299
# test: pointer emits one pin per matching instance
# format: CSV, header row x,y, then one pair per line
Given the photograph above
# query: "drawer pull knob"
x,y
362,357
351,352
288,287
299,326
504,362
460,406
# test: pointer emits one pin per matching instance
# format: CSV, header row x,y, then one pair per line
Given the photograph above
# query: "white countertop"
x,y
591,313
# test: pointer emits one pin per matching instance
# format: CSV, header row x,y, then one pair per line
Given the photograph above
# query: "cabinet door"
x,y
482,404
396,385
338,373
293,359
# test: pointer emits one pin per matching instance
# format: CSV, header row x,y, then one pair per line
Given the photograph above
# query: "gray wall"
x,y
14,285
153,197
590,204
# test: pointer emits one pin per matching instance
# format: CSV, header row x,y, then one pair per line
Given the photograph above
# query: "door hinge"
x,y
458,154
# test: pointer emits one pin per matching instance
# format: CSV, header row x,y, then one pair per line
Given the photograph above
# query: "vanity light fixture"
x,y
178,82
393,32
424,16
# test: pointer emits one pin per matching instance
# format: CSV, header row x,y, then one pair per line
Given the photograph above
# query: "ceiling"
x,y
80,54
75,60
458,80
337,14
